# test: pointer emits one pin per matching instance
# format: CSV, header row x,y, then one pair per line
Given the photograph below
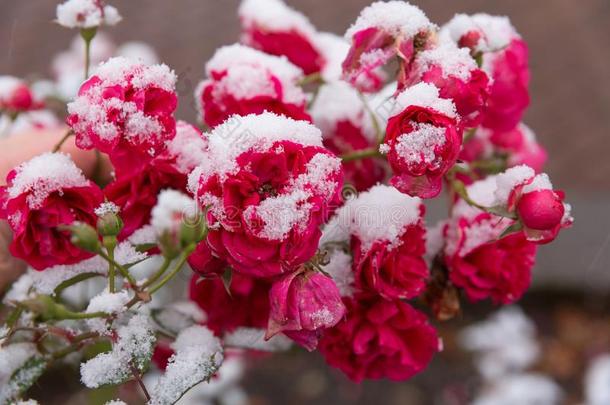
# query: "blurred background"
x,y
569,111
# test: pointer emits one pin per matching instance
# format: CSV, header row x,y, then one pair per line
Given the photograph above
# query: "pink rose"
x,y
423,140
267,196
42,195
380,339
276,29
126,110
382,31
271,86
16,96
304,304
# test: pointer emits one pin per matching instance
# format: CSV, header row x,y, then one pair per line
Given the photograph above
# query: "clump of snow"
x,y
107,302
339,267
597,381
144,236
334,48
254,339
86,14
526,389
420,145
452,60
20,289
510,179
273,16
134,347
172,207
43,175
504,343
423,95
381,214
138,51
198,355
188,146
115,402
435,240
126,254
398,18
107,207
496,32
337,102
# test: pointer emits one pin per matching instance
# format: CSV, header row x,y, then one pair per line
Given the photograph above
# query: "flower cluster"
x,y
299,208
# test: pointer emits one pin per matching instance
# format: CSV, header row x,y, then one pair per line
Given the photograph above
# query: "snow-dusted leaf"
x,y
20,366
198,356
133,350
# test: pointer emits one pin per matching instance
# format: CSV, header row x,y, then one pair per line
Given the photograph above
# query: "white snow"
x,y
138,51
423,95
453,61
12,358
43,175
337,102
107,302
597,381
510,179
273,16
380,214
334,48
339,267
420,145
496,31
172,207
86,14
188,146
107,207
133,348
8,85
522,389
144,236
20,289
399,18
198,356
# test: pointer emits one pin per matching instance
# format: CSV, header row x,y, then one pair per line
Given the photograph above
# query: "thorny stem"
x,y
63,140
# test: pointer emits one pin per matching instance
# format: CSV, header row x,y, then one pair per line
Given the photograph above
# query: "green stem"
x,y
63,140
360,154
181,260
111,284
124,272
311,78
158,274
76,344
87,57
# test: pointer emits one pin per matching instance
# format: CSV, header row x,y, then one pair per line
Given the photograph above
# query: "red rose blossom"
x,y
422,141
380,339
16,96
42,195
247,305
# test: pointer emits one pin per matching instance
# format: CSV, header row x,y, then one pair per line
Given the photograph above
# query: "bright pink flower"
x,y
304,304
247,305
380,339
126,108
382,31
244,81
423,140
269,188
16,96
393,272
480,261
454,72
41,195
274,28
540,209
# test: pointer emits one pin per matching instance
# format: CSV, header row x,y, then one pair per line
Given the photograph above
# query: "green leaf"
x,y
74,280
227,277
25,376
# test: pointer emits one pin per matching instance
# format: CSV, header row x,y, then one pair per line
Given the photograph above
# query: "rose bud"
x,y
16,96
540,209
269,187
272,85
455,73
423,140
304,304
382,31
481,261
380,339
42,195
504,56
109,223
84,236
276,29
86,14
126,110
